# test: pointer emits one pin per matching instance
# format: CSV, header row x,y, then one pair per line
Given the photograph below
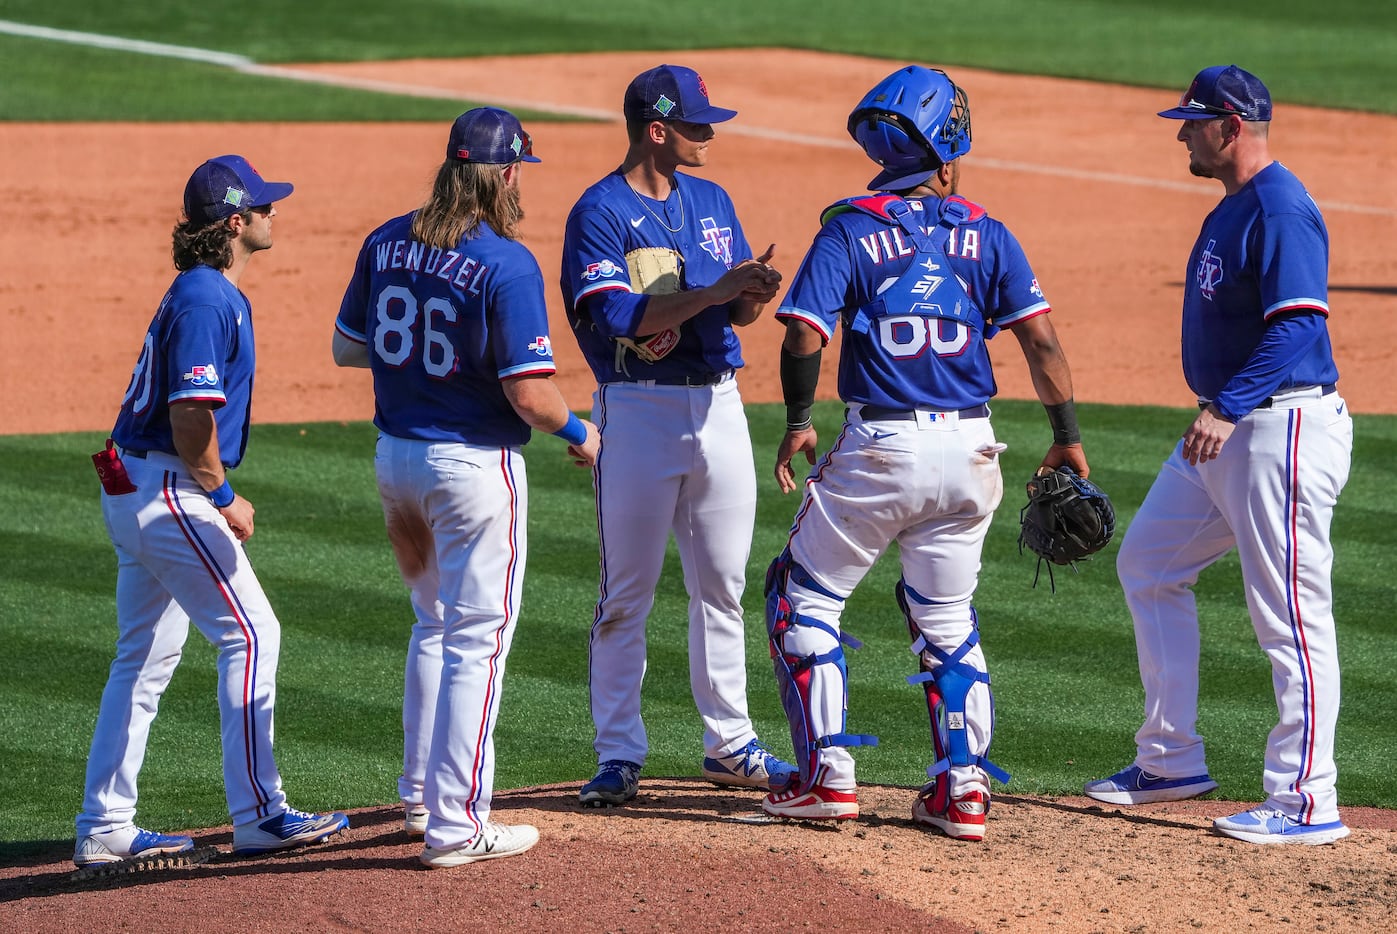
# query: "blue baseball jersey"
x,y
911,358
443,328
610,220
1256,296
198,348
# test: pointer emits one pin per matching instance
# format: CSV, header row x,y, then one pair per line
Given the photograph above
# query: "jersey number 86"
x,y
395,337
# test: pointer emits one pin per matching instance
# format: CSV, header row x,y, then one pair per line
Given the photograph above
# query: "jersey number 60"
x,y
395,339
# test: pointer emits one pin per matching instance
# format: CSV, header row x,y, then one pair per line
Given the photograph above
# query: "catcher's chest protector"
x,y
928,288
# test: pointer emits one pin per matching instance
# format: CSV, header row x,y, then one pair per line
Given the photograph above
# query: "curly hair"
x,y
465,195
210,244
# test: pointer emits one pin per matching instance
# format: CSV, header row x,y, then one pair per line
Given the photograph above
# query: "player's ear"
x,y
658,131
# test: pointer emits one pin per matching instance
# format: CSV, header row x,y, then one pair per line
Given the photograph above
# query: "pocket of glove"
x,y
655,270
1066,518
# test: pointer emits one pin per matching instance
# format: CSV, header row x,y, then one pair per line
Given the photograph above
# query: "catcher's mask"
x,y
911,123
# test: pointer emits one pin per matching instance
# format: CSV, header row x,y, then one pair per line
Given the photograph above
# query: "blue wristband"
x,y
223,496
574,432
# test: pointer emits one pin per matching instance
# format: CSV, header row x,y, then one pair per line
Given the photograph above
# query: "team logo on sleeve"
x,y
542,345
1036,289
204,375
717,241
603,270
1209,273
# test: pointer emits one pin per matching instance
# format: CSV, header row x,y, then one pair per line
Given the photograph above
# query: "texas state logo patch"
x,y
1209,274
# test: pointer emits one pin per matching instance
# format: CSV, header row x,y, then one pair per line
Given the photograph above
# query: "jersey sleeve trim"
x,y
528,369
601,287
1318,306
788,313
352,335
1023,314
198,395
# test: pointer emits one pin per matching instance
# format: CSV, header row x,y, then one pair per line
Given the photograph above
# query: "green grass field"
x,y
1068,697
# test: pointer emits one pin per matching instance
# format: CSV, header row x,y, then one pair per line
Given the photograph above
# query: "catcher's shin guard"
x,y
948,680
803,650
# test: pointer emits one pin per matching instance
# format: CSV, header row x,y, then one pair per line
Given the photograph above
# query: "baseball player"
x,y
656,275
917,279
1260,469
178,530
446,308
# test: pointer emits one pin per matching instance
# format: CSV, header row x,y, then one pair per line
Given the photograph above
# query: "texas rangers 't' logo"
x,y
717,241
1209,273
541,345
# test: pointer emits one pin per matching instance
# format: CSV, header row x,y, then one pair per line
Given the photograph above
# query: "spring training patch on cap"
x,y
517,145
664,105
234,197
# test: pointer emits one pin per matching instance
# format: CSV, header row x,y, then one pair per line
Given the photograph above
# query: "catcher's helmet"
x,y
911,123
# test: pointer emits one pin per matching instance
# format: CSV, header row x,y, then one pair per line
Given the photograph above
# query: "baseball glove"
x,y
1066,520
654,271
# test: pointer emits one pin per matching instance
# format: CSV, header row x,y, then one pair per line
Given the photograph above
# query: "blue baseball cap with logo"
x,y
1221,91
228,185
672,92
490,136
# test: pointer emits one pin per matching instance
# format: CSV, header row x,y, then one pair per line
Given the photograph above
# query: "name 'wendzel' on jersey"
x,y
416,257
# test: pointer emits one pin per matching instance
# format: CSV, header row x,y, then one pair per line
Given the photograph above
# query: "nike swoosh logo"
x,y
880,435
637,221
1339,409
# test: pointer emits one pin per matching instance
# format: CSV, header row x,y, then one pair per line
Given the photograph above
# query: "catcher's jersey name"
x,y
463,272
889,244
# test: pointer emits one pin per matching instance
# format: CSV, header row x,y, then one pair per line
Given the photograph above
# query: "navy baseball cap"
x,y
672,92
228,185
490,136
1221,91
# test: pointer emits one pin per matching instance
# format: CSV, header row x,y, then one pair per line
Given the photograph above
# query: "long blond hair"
x,y
465,195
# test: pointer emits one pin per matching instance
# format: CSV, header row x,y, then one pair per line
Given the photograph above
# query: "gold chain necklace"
x,y
657,217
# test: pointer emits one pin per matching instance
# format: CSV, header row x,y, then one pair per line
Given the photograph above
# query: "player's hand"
x,y
238,515
796,441
752,279
585,454
1205,437
770,278
1070,454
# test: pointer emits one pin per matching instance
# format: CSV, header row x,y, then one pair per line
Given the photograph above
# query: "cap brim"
x,y
273,191
530,159
899,179
709,114
1186,113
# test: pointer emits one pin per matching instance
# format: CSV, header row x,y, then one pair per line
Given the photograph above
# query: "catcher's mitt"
x,y
654,271
1066,520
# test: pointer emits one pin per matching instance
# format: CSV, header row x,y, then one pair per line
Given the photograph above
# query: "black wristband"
x,y
1063,418
799,377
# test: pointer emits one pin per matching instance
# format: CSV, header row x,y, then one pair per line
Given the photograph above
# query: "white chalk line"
x,y
245,65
